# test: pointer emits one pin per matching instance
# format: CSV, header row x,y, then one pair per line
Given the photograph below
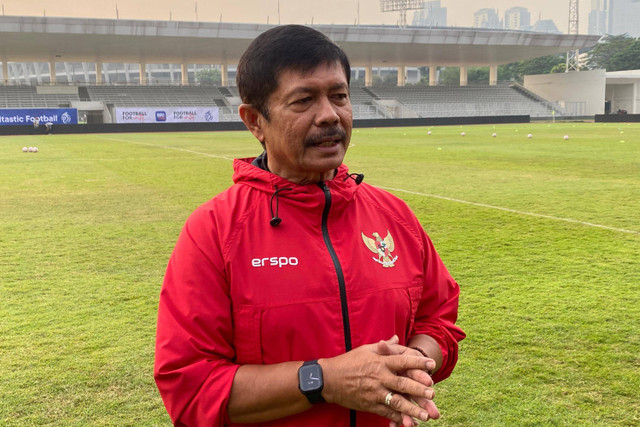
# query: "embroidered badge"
x,y
382,248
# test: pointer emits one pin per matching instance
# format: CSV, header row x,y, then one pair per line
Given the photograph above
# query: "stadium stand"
x,y
473,100
157,96
368,102
28,97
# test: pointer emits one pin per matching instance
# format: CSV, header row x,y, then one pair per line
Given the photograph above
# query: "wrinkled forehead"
x,y
301,71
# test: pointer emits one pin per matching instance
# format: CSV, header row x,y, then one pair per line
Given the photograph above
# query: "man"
x,y
301,296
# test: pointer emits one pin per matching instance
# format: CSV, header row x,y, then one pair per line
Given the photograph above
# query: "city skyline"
x,y
459,12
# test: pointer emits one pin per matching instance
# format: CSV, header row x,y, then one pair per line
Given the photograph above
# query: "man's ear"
x,y
253,120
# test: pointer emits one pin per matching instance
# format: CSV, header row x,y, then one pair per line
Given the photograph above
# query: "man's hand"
x,y
362,379
391,347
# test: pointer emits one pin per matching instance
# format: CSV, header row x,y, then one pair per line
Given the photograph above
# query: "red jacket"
x,y
240,291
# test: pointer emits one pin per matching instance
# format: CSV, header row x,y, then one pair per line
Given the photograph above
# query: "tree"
x,y
424,76
615,53
542,65
389,79
450,76
478,75
209,77
626,59
509,72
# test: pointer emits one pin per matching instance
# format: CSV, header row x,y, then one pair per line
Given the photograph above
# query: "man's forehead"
x,y
295,73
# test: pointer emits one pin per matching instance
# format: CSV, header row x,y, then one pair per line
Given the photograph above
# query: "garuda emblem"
x,y
381,247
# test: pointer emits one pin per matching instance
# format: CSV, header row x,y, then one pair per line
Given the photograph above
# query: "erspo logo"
x,y
274,261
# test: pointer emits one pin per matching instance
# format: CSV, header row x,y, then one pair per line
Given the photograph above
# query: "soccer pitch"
x,y
542,233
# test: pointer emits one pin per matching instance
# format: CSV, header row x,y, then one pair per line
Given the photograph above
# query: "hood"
x,y
310,197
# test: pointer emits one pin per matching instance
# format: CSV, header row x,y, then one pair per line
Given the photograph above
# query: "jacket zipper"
x,y
343,289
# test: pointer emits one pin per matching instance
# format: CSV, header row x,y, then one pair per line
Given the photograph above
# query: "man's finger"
x,y
432,410
407,421
421,376
384,349
402,363
393,340
407,408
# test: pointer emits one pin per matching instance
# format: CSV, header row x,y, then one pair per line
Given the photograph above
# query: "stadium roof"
x,y
42,39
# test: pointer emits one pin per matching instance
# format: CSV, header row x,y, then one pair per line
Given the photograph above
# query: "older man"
x,y
301,296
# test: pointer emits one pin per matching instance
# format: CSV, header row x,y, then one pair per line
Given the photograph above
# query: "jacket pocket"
x,y
415,296
247,335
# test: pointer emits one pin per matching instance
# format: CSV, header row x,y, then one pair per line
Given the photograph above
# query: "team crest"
x,y
382,248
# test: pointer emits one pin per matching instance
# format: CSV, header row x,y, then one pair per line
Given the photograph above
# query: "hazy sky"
x,y
460,12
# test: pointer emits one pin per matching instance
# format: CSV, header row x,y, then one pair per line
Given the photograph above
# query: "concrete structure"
x,y
623,91
517,18
577,93
101,41
486,18
587,93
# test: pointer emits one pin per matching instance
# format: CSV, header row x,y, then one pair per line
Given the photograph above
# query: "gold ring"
x,y
387,399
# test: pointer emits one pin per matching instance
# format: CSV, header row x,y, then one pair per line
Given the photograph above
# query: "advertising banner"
x,y
167,115
26,116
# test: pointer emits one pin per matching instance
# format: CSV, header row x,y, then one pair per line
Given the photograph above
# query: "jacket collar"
x,y
246,172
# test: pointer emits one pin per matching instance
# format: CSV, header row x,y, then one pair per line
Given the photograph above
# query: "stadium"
x,y
40,57
528,190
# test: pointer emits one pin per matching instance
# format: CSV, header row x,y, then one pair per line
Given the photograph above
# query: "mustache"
x,y
333,132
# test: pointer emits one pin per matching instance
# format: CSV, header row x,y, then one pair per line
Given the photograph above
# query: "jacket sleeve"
x,y
193,361
438,309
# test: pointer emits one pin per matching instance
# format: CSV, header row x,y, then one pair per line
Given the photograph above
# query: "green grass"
x,y
551,307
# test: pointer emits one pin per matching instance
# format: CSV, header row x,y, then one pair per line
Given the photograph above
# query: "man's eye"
x,y
340,96
303,100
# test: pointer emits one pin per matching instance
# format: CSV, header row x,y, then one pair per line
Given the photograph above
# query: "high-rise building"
x,y
486,18
517,18
431,15
599,17
624,17
615,17
545,26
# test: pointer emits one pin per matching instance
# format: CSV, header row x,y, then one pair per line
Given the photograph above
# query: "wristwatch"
x,y
310,381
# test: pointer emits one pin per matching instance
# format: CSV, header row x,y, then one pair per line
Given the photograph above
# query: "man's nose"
x,y
327,113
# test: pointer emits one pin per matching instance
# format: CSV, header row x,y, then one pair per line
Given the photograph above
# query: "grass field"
x,y
542,234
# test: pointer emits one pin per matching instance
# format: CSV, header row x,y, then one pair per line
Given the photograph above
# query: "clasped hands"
x,y
363,378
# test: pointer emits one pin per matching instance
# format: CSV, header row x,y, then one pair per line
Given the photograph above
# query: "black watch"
x,y
310,381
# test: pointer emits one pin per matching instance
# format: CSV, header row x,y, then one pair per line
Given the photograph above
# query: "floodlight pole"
x,y
401,6
402,23
573,60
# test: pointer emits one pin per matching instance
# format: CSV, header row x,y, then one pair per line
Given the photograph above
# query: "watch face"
x,y
310,378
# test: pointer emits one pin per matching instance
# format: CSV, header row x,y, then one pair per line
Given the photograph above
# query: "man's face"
x,y
309,126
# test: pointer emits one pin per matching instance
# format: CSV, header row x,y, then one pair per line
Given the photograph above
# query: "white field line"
x,y
450,199
168,148
483,205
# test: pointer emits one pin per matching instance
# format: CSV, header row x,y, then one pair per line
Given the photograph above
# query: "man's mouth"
x,y
328,142
327,138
